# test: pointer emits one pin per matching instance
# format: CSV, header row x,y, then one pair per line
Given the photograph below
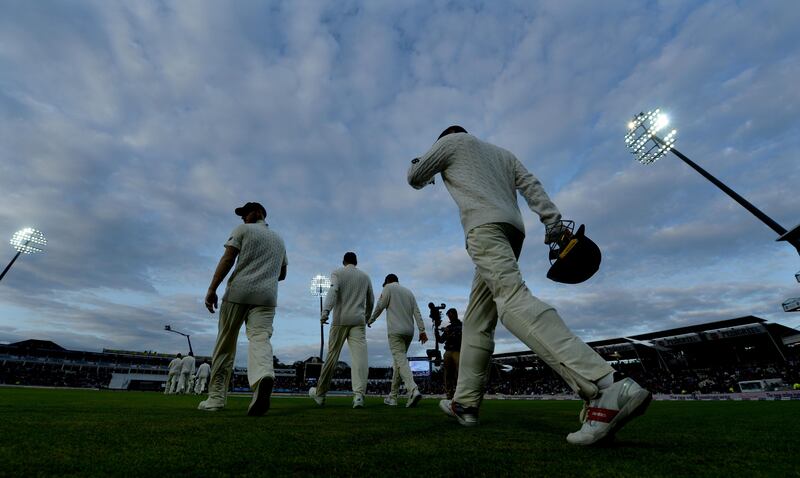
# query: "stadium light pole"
x,y
25,241
319,288
644,142
169,328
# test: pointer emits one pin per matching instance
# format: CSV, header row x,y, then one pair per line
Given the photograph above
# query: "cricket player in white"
x,y
350,297
250,298
203,372
173,375
187,370
483,179
401,313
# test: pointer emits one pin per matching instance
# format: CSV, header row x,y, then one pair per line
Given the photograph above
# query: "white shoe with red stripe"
x,y
609,412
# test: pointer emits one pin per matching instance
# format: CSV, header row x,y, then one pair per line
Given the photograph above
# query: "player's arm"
x,y
383,302
423,337
370,302
223,267
423,169
330,299
535,195
284,265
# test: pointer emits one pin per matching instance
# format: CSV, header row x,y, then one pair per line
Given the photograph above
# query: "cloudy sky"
x,y
129,131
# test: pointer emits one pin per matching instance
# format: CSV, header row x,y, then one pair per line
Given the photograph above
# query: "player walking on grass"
x,y
251,297
483,179
401,313
351,298
203,372
174,375
187,370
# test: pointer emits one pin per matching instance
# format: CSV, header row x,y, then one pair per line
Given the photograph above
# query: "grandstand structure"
x,y
713,357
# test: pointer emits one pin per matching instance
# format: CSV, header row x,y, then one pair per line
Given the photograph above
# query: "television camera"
x,y
434,355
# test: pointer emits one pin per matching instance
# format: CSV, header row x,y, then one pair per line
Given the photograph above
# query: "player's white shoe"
x,y
414,399
467,416
610,411
312,392
210,405
358,401
392,402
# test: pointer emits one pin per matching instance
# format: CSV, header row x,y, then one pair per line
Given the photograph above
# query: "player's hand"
x,y
211,300
423,337
323,318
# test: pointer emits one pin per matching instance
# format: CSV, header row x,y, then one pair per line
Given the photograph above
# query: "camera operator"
x,y
450,336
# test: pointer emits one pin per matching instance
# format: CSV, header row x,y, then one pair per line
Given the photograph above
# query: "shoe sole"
x,y
450,413
414,401
635,407
261,399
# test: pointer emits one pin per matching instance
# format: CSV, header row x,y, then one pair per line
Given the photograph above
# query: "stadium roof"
x,y
37,344
781,331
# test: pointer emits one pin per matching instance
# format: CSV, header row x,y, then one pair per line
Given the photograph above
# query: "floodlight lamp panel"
x,y
28,241
320,285
642,138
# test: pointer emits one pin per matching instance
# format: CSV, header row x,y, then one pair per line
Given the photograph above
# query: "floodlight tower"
x,y
319,288
647,146
25,241
169,328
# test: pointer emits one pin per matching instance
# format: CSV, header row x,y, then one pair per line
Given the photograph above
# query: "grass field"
x,y
102,433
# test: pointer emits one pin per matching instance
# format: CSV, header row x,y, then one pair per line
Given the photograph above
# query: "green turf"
x,y
93,433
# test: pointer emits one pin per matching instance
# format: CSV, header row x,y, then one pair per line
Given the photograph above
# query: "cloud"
x,y
132,131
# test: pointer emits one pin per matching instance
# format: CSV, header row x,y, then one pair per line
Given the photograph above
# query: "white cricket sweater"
x,y
262,254
483,180
401,310
204,370
187,364
175,365
350,297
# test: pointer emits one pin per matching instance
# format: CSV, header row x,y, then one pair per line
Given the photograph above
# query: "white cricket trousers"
x,y
499,291
200,385
172,383
258,321
356,337
183,383
398,345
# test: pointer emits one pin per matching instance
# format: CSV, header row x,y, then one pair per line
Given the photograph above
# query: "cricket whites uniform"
x,y
351,298
173,376
401,314
483,179
203,372
250,298
187,370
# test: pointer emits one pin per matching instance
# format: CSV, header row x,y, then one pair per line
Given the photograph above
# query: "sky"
x,y
129,131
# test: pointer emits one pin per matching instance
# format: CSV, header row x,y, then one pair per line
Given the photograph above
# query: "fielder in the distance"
x,y
187,371
173,375
250,298
203,372
483,179
401,313
351,298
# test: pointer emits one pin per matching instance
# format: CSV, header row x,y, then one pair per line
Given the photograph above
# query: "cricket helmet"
x,y
574,258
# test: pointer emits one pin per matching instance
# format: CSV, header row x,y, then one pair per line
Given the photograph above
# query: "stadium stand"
x,y
710,358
